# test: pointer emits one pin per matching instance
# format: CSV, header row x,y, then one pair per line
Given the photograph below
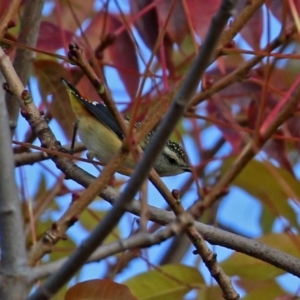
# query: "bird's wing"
x,y
102,113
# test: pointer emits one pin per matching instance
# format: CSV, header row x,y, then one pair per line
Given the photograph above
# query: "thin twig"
x,y
29,158
30,24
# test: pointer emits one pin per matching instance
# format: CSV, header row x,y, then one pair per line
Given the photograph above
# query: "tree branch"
x,y
30,24
211,234
13,253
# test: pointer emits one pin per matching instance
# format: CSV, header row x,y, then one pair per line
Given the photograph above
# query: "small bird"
x,y
102,136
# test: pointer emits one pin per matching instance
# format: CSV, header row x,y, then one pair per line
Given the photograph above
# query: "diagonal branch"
x,y
30,24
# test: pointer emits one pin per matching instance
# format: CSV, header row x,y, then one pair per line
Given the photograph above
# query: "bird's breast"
x,y
100,140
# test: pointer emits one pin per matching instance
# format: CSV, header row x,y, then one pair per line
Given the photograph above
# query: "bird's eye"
x,y
172,160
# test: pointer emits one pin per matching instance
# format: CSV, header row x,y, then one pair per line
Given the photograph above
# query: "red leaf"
x,y
177,26
252,114
4,6
81,9
253,111
293,125
281,10
50,37
121,53
276,149
86,88
147,25
200,14
49,73
215,109
99,289
240,92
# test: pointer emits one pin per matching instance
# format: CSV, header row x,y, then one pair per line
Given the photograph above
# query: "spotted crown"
x,y
176,148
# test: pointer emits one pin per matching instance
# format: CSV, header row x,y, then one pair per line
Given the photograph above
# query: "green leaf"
x,y
43,192
210,292
99,289
61,293
62,249
42,188
169,282
267,184
187,48
40,228
90,218
251,268
267,220
260,289
269,291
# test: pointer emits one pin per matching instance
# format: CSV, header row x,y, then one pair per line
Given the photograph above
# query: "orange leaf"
x,y
99,289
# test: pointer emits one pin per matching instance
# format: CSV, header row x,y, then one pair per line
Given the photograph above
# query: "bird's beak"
x,y
186,169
